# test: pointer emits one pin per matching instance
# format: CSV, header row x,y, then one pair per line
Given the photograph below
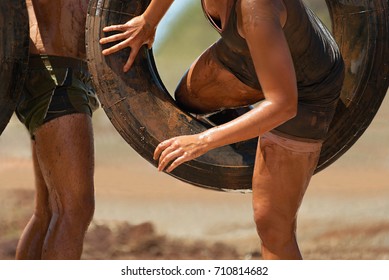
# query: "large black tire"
x,y
144,113
14,44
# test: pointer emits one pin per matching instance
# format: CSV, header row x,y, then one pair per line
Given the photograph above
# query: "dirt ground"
x,y
144,214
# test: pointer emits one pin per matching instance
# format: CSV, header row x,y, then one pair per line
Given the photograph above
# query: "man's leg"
x,y
281,176
31,242
65,152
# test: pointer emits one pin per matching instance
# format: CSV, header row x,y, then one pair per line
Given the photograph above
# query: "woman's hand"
x,y
134,34
180,149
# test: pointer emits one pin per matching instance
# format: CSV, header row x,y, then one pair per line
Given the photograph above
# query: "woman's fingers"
x,y
133,53
118,27
113,38
133,34
169,155
122,45
115,48
176,151
164,153
160,148
177,162
168,152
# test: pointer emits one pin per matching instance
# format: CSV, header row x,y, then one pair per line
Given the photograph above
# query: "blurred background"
x,y
143,214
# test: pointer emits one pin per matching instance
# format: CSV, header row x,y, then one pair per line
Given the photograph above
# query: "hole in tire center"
x,y
184,33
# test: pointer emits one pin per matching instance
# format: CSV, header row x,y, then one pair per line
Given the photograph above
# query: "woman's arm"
x,y
136,32
260,23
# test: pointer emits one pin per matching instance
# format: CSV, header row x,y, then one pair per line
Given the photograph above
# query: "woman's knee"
x,y
272,226
262,218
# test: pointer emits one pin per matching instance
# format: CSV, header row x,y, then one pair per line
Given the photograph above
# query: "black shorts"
x,y
55,86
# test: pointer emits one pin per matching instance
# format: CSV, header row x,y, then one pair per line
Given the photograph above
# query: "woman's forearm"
x,y
156,10
250,125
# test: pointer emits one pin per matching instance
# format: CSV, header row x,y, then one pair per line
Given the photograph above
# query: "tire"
x,y
14,45
144,113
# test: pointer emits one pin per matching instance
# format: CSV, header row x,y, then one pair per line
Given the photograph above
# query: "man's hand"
x,y
134,34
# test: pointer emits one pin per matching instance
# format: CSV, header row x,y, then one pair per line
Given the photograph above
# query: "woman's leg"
x,y
208,87
283,169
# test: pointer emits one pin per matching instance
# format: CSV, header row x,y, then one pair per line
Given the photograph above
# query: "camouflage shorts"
x,y
55,86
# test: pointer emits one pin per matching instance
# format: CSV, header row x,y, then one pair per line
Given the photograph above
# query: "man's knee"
x,y
75,210
82,211
77,220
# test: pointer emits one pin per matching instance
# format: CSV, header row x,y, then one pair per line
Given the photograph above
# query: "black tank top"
x,y
317,60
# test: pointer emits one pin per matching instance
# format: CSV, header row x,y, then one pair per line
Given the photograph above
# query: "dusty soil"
x,y
143,214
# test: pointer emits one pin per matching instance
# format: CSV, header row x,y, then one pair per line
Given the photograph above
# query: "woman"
x,y
273,52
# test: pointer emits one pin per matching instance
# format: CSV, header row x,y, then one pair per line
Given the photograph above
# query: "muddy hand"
x,y
178,150
133,34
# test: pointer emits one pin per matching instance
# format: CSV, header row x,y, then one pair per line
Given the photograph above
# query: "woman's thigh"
x,y
208,87
282,172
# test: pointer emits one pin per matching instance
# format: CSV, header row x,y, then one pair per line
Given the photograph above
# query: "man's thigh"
x,y
65,151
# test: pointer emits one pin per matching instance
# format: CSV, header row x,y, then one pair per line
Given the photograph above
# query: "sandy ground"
x,y
144,214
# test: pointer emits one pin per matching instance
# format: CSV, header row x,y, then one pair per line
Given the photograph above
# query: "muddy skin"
x,y
62,148
240,69
58,27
